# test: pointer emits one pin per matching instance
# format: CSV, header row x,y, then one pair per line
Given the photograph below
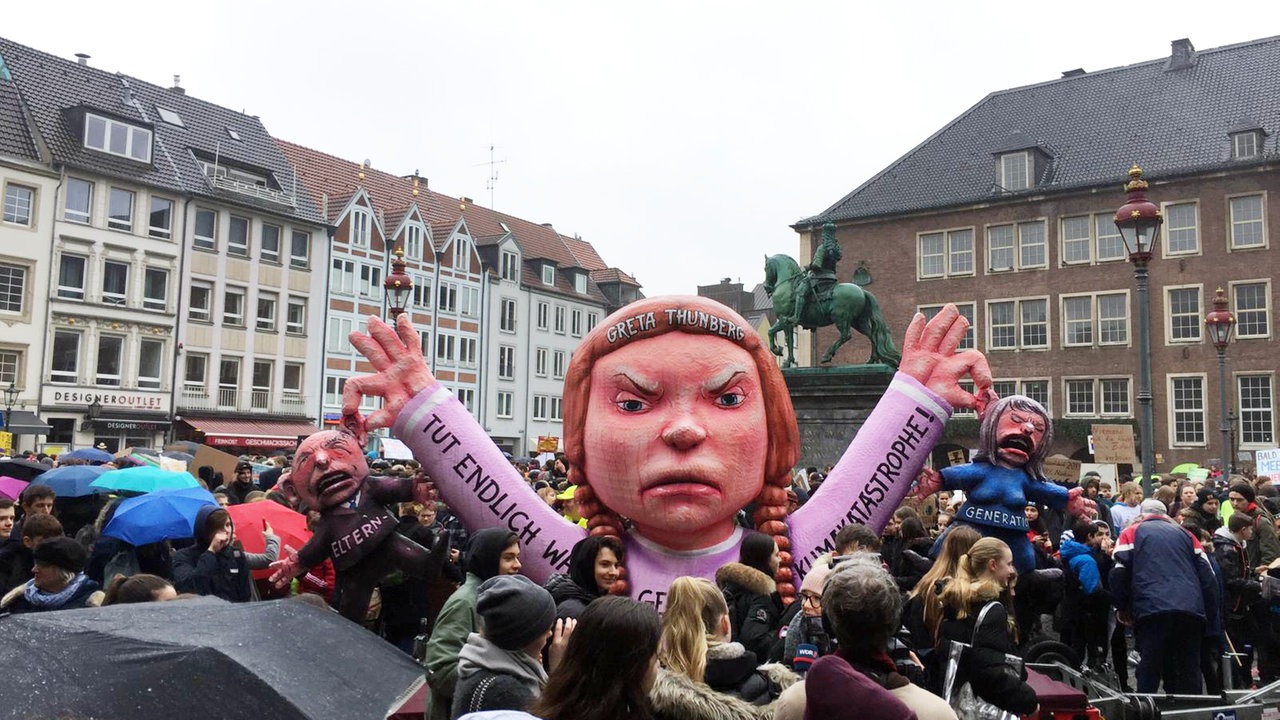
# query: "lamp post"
x,y
10,399
1229,466
1220,322
399,287
1139,222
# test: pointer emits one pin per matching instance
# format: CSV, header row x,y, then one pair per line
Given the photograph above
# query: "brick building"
x,y
1007,212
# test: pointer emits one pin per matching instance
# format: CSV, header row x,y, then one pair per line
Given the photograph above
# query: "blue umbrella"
x,y
144,479
93,455
72,480
157,516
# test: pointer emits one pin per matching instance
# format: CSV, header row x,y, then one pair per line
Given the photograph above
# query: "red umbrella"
x,y
288,525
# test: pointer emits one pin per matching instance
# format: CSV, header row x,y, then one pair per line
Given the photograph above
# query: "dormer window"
x,y
510,266
1015,171
580,283
117,138
1245,145
548,274
413,241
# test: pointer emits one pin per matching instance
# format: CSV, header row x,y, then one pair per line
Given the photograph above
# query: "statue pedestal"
x,y
831,404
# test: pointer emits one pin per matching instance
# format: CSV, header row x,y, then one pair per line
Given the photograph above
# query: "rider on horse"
x,y
820,276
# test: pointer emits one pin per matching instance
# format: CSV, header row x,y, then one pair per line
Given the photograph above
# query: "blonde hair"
x,y
968,585
694,609
954,546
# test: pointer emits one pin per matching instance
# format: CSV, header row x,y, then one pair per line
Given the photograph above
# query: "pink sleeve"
x,y
876,471
478,482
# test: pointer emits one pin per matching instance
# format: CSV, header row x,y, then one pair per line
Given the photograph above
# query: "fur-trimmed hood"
x,y
746,577
676,697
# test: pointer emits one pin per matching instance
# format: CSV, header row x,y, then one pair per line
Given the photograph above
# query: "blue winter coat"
x,y
1161,568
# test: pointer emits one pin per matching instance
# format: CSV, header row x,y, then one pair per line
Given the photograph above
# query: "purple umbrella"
x,y
11,487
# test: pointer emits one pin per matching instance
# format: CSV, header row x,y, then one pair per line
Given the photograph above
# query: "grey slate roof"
x,y
15,136
1094,126
55,89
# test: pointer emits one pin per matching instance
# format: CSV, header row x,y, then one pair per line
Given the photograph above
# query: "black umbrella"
x,y
201,658
22,469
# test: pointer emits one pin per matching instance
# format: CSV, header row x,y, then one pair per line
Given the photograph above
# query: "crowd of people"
x,y
1177,581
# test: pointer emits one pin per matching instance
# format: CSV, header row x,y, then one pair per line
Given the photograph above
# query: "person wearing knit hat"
x,y
500,667
1263,549
58,581
1202,513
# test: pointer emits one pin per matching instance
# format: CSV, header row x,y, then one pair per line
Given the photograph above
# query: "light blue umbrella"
x,y
144,479
157,516
72,480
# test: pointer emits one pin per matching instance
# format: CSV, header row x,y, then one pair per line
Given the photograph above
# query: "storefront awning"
x,y
244,432
22,422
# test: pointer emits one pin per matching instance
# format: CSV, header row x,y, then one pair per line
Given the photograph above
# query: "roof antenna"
x,y
492,182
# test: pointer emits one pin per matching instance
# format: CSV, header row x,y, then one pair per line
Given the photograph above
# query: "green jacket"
x,y
457,620
1265,546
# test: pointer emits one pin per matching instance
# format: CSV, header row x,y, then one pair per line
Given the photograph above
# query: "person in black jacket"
x,y
984,578
755,609
216,564
595,564
1242,591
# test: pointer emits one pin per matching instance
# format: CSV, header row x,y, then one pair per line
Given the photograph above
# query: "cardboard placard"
x,y
1061,468
548,443
221,462
1113,444
393,449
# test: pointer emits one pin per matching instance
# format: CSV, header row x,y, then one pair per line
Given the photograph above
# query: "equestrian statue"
x,y
813,298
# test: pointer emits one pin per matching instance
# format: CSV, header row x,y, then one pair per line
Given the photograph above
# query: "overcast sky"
x,y
680,138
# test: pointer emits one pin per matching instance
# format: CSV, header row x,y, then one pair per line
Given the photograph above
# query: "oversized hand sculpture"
x,y
929,355
402,371
1079,505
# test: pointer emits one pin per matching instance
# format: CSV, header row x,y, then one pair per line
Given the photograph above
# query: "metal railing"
x,y
224,399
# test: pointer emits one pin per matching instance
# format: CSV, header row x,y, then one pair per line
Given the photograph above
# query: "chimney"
x,y
547,226
82,58
1073,73
177,85
1183,55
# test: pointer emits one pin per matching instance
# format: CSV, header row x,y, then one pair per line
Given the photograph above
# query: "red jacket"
x,y
319,580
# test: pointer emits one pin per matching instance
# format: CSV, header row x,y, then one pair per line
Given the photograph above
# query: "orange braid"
x,y
771,511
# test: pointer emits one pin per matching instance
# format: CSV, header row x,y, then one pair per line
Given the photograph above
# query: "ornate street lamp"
x,y
10,399
399,287
1139,222
1220,322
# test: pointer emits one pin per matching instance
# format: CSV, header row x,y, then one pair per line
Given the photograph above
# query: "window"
x,y
448,297
205,235
233,307
1016,247
160,222
470,297
228,381
1110,246
506,399
300,250
18,201
945,254
966,311
510,266
150,360
540,362
10,364
421,292
1115,396
1256,414
110,348
560,319
593,318
196,371
1076,240
1018,324
1080,397
462,254
544,316
269,251
238,237
1186,402
1183,315
79,203
200,305
65,367
370,281
339,335
540,407
1086,396
260,390
292,382
467,351
342,276
1037,390
446,346
1098,319
548,274
117,138
1244,145
507,315
333,387
71,277
295,319
359,228
1252,309
467,396
580,283
1246,222
506,362
557,365
413,242
1181,228
13,285
120,210
1015,171
555,409
115,282
267,311
155,289
575,322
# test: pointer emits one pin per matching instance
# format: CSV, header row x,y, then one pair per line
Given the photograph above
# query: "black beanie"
x,y
514,611
1244,489
62,552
